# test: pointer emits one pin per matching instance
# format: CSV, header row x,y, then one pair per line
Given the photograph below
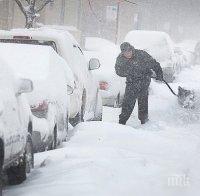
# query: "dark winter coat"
x,y
138,69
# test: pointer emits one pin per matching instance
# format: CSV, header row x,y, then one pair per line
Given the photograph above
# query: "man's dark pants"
x,y
135,91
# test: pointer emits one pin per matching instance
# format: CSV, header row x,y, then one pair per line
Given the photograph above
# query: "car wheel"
x,y
117,101
82,112
80,116
67,127
29,156
53,144
17,174
98,111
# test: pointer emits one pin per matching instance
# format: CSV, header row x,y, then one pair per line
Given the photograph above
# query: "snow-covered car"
x,y
49,99
86,101
187,48
161,47
192,50
110,84
16,152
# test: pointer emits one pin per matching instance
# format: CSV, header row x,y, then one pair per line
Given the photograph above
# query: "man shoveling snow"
x,y
136,66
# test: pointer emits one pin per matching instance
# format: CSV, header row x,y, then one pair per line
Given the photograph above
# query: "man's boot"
x,y
122,122
143,121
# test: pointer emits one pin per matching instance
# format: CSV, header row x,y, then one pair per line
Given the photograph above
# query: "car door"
x,y
8,115
90,82
22,120
13,122
5,132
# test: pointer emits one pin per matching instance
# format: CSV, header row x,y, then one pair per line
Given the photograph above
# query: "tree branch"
x,y
33,2
27,1
21,6
42,6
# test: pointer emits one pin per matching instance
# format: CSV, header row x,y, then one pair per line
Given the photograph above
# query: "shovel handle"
x,y
172,91
170,88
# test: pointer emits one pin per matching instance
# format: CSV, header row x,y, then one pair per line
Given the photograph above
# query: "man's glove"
x,y
160,78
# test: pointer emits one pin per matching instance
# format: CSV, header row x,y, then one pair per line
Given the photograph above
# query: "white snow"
x,y
160,158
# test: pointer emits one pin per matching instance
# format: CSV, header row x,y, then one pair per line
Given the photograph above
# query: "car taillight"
x,y
40,110
103,85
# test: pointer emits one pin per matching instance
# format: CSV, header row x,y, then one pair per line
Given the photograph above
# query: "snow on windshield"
x,y
27,60
42,65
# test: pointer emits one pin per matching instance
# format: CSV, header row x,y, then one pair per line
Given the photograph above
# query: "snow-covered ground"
x,y
160,158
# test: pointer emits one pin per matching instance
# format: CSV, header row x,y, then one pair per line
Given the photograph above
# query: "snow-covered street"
x,y
99,98
160,158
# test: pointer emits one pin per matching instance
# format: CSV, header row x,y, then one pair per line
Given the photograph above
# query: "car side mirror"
x,y
70,90
24,86
94,64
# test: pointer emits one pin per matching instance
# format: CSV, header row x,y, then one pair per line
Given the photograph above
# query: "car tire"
x,y
80,116
29,155
82,112
98,111
117,101
17,174
67,127
53,144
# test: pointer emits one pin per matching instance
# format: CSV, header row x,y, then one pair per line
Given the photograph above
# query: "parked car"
x,y
16,152
49,99
111,86
161,47
86,102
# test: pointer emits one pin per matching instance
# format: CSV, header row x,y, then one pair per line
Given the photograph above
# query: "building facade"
x,y
112,19
179,18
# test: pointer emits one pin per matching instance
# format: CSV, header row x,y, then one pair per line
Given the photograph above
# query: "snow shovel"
x,y
186,98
